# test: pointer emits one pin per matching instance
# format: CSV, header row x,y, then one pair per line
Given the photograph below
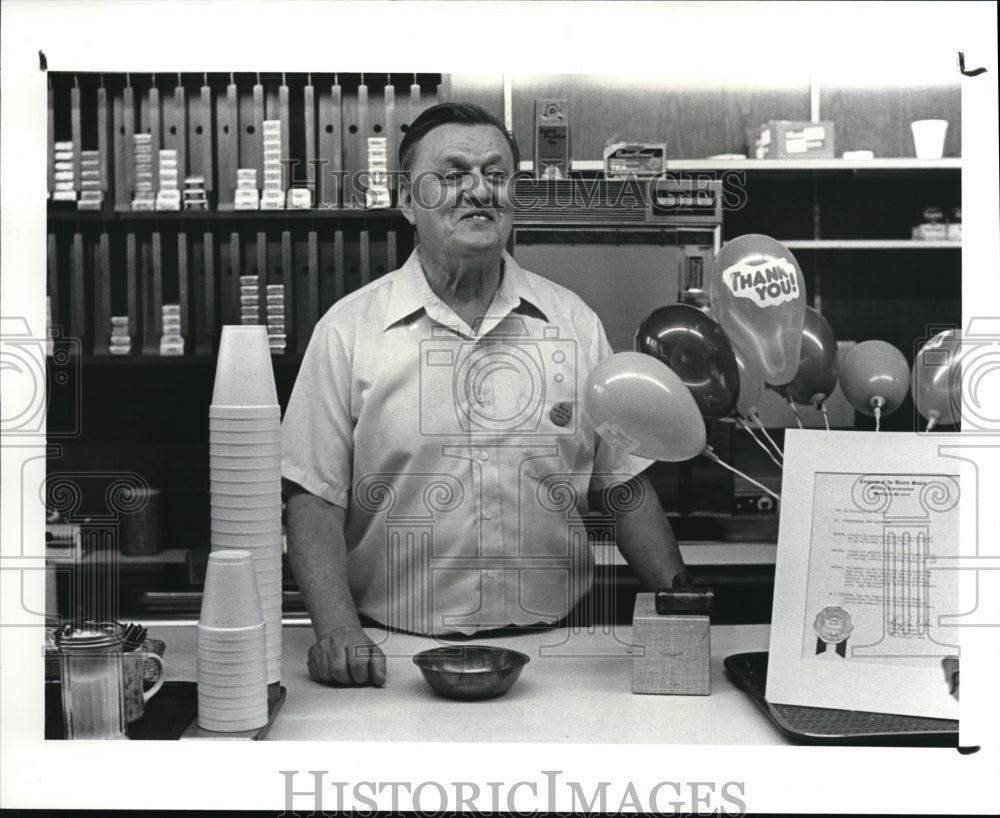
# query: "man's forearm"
x,y
646,540
317,553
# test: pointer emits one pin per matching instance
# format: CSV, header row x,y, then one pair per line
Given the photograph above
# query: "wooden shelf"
x,y
869,244
173,216
591,165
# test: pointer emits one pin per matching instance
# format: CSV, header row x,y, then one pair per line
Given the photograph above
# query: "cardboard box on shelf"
x,y
789,139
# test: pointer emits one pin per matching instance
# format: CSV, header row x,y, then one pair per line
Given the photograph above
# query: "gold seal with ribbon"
x,y
833,626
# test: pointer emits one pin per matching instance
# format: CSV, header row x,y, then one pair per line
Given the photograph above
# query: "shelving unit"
x,y
848,223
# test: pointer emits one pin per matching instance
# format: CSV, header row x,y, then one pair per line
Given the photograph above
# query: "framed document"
x,y
868,523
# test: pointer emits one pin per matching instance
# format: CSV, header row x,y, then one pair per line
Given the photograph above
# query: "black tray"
x,y
815,725
170,715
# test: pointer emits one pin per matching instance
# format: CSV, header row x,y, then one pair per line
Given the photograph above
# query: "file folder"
x,y
51,136
102,295
132,285
104,140
307,298
77,290
200,137
227,140
330,148
204,260
53,279
364,258
123,122
184,284
391,133
175,131
76,129
308,173
287,276
152,294
153,122
231,282
251,118
391,252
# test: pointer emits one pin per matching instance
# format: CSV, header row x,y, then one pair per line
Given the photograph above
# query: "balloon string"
x,y
743,425
713,456
826,416
878,417
795,409
763,431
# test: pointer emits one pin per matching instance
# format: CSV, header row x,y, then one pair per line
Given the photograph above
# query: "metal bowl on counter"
x,y
470,672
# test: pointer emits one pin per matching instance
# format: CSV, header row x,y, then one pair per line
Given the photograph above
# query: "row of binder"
x,y
215,128
96,276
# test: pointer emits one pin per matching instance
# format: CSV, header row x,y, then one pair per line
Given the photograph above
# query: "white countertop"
x,y
576,688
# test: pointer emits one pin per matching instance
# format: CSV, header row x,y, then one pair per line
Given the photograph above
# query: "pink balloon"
x,y
640,405
937,379
758,297
875,375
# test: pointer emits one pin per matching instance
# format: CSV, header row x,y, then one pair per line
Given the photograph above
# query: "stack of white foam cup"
x,y
232,681
245,468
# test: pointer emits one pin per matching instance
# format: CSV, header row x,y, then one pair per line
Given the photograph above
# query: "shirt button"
x,y
484,456
488,515
491,574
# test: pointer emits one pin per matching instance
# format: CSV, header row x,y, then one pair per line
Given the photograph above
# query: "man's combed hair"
x,y
450,113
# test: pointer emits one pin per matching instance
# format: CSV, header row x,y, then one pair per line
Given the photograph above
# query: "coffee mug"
x,y
133,664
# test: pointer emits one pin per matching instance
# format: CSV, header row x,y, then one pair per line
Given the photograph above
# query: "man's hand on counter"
x,y
346,656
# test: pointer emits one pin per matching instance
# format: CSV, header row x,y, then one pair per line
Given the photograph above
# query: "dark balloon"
x,y
694,346
816,377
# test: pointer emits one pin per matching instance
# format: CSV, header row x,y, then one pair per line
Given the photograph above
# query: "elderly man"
x,y
435,455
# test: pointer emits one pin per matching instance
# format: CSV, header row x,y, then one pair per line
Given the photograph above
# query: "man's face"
x,y
457,197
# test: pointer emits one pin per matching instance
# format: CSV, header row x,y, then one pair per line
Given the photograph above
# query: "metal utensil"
x,y
471,672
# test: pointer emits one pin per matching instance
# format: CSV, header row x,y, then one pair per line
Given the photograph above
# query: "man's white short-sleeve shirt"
x,y
462,455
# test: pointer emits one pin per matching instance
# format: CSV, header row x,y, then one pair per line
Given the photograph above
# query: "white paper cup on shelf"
x,y
244,375
928,137
230,598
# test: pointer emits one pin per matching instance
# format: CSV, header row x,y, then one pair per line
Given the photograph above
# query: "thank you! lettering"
x,y
766,284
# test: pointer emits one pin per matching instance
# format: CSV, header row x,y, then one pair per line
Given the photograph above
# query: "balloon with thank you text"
x,y
875,378
937,379
816,377
758,296
638,404
694,346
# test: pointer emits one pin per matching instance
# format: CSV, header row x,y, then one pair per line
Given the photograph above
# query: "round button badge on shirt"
x,y
561,413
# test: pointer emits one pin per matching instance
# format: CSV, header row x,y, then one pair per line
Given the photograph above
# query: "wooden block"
x,y
672,651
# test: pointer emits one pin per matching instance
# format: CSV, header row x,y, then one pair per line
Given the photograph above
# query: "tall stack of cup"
x,y
245,468
232,668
